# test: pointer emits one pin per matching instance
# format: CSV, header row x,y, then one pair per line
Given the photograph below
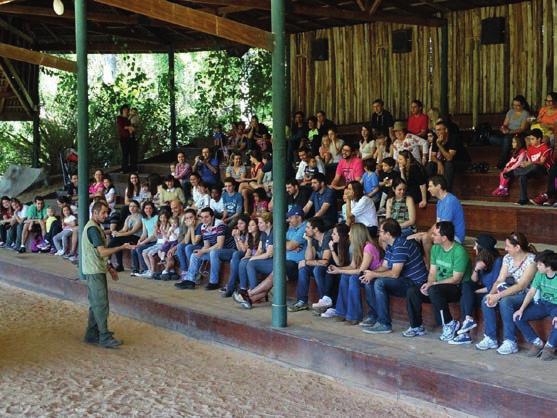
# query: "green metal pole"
x,y
82,116
444,100
172,98
36,117
279,169
287,84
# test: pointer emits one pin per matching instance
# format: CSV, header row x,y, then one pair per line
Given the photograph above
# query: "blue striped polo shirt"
x,y
406,252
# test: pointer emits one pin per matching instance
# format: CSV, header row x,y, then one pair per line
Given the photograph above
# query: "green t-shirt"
x,y
547,287
33,213
455,260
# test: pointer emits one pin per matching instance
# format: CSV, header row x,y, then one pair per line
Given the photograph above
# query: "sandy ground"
x,y
45,370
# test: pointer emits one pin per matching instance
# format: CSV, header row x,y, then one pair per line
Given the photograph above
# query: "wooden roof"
x,y
115,30
33,24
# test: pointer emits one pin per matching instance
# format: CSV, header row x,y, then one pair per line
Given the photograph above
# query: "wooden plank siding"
x,y
362,67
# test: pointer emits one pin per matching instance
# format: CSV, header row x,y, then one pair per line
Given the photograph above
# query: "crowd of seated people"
x,y
352,210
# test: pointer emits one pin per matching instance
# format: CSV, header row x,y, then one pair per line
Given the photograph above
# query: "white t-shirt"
x,y
302,167
218,207
23,212
68,220
364,211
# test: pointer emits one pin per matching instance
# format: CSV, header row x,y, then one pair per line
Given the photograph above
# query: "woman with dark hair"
x,y
507,293
418,122
515,123
6,214
246,238
360,208
169,192
130,232
339,245
401,208
253,180
413,174
133,189
298,131
97,186
486,270
236,169
367,143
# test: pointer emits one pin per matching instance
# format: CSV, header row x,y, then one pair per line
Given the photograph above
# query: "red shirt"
x,y
121,123
537,153
351,169
418,123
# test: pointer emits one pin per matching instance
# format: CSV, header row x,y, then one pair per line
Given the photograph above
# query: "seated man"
x,y
35,219
449,266
233,202
296,195
448,155
349,168
215,236
317,257
403,268
295,241
305,156
322,200
448,209
207,167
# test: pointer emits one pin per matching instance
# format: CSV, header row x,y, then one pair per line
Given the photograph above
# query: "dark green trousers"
x,y
97,293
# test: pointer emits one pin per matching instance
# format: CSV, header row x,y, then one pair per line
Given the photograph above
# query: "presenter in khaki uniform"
x,y
95,265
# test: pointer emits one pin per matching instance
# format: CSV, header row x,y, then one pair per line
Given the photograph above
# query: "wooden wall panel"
x,y
362,67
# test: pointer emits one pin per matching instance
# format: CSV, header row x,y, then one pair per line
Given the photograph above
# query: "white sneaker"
x,y
59,252
329,313
508,347
487,343
146,273
324,302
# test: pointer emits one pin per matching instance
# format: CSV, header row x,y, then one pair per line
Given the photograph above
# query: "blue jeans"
x,y
507,306
258,266
234,269
304,273
215,257
535,311
195,265
377,296
138,263
349,304
243,273
184,252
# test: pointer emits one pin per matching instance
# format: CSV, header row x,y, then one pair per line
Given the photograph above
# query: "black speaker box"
x,y
402,41
320,50
494,31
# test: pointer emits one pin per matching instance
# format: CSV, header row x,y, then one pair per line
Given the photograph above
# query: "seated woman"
x,y
486,270
6,215
236,169
325,150
547,116
383,148
130,232
259,263
508,293
518,156
97,186
515,124
146,240
246,239
366,255
545,306
339,245
19,212
249,183
260,202
182,172
336,145
61,240
413,174
109,192
367,143
360,208
401,208
159,237
168,192
202,197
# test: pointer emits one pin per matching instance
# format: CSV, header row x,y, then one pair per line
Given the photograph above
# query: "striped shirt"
x,y
406,252
210,233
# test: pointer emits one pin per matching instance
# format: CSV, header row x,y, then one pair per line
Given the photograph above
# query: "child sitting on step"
x,y
543,287
518,156
171,237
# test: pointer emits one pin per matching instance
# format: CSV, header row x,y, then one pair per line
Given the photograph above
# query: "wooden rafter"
x,y
437,6
11,79
16,31
37,58
199,21
374,7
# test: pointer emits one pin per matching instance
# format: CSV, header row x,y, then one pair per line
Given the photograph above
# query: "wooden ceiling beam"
x,y
199,21
69,14
252,4
374,7
16,31
11,79
37,58
436,5
336,13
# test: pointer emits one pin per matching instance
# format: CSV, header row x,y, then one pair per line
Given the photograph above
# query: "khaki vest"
x,y
91,261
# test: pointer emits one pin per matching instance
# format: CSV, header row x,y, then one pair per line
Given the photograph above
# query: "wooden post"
x,y
475,81
444,99
172,99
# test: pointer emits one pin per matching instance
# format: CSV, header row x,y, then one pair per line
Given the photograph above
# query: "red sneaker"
x,y
540,199
550,202
504,192
496,192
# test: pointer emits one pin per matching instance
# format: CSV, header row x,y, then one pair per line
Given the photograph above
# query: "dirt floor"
x,y
45,370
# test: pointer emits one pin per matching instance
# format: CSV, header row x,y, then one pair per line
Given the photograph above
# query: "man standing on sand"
x,y
95,265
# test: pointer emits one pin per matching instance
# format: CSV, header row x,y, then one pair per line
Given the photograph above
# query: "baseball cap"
x,y
295,210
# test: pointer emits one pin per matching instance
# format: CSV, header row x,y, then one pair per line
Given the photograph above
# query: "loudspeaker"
x,y
402,41
320,50
494,31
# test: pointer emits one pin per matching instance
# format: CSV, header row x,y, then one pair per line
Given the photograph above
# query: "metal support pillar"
x,y
82,116
35,160
444,100
172,97
279,169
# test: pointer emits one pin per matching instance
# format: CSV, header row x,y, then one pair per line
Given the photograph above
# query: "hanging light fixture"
x,y
58,7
